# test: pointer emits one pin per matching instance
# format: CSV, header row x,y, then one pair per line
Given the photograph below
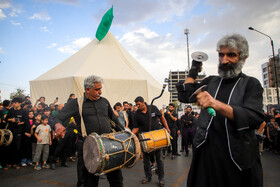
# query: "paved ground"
x,y
176,172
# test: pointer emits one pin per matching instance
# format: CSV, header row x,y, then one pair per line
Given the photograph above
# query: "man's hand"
x,y
205,100
39,139
59,130
168,130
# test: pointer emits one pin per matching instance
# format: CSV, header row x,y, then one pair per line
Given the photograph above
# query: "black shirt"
x,y
187,121
142,120
171,123
96,115
21,116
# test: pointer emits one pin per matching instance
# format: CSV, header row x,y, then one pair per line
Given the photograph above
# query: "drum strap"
x,y
83,127
150,117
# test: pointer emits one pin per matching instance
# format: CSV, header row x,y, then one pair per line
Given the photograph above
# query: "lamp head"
x,y
251,28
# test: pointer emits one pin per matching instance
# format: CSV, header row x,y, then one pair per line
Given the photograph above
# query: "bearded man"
x,y
225,147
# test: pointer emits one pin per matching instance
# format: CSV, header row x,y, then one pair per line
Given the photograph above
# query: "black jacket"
x,y
246,101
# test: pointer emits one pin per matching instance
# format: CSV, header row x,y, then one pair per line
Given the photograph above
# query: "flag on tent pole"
x,y
105,24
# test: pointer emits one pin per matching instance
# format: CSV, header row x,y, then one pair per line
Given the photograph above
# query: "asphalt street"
x,y
176,172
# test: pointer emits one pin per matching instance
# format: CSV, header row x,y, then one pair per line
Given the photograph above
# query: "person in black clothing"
x,y
146,119
172,121
4,112
96,112
225,146
16,118
27,140
188,129
126,108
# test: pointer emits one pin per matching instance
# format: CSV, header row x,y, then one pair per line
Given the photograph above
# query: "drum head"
x,y
92,153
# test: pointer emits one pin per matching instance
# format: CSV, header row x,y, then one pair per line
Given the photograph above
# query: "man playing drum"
x,y
96,114
146,119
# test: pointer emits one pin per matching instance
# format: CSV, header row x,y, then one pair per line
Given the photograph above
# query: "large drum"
x,y
6,137
108,152
155,140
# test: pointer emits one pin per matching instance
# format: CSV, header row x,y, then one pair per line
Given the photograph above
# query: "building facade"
x,y
175,77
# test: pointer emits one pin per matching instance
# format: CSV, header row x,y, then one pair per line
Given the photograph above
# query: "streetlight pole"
x,y
275,69
186,32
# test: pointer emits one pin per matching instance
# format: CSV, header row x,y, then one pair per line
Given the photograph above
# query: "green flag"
x,y
105,24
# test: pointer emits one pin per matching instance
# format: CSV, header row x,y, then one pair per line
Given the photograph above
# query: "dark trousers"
x,y
16,149
87,179
174,141
188,134
147,165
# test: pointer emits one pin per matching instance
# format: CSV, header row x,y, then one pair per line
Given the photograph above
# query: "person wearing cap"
x,y
188,129
225,146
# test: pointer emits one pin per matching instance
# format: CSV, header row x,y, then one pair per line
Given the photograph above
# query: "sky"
x,y
37,35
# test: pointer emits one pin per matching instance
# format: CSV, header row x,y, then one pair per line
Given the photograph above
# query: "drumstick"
x,y
147,139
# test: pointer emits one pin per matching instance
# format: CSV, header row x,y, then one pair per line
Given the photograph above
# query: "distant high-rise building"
x,y
268,72
269,80
174,78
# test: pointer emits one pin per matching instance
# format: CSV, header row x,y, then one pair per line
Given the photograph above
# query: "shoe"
x,y
16,166
182,150
46,166
65,165
172,157
163,156
23,165
146,180
161,182
37,167
187,154
177,154
53,167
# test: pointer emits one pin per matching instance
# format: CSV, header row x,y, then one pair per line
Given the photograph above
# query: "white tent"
x,y
124,78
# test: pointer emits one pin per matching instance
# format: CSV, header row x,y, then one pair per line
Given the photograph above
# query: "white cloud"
x,y
45,29
1,50
5,4
43,16
70,2
15,11
2,15
158,54
75,46
15,23
52,45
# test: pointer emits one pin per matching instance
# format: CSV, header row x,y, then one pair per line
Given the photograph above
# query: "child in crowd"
x,y
27,140
43,135
37,122
122,116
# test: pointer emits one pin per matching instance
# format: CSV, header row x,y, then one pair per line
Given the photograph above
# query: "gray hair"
x,y
91,80
235,41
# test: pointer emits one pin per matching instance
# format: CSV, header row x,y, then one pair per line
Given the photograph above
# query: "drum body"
x,y
108,152
158,140
6,137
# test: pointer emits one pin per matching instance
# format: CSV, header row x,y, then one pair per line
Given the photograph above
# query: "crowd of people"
x,y
223,144
33,138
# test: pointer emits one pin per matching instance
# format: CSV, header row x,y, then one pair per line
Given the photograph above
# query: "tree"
x,y
18,93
